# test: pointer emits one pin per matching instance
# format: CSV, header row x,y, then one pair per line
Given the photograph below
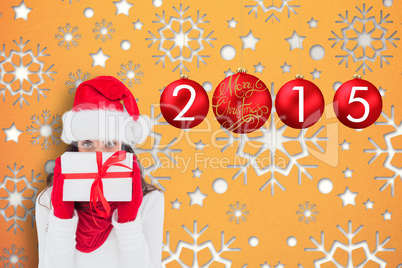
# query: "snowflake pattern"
x,y
13,257
175,256
389,150
67,36
130,74
75,79
18,195
155,150
237,213
173,47
272,140
21,72
45,129
364,43
307,212
103,30
350,248
272,9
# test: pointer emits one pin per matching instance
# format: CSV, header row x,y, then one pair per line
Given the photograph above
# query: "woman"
x,y
72,234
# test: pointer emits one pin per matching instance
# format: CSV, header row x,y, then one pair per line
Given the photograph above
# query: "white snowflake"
x,y
272,140
272,9
68,36
130,73
103,30
172,47
364,39
45,129
350,248
18,192
75,79
13,257
307,212
237,213
196,247
22,77
389,150
155,150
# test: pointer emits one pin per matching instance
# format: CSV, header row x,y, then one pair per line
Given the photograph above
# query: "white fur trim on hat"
x,y
105,125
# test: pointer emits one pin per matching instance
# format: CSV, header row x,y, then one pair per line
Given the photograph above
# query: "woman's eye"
x,y
110,144
87,145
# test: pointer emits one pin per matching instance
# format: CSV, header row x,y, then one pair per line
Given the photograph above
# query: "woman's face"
x,y
96,145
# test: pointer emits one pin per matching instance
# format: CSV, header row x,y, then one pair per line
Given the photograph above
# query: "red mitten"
x,y
61,209
127,211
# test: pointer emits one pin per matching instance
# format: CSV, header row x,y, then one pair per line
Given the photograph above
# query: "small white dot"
x,y
387,3
207,86
336,85
88,12
125,45
228,52
317,52
220,186
253,241
291,241
157,3
325,185
49,166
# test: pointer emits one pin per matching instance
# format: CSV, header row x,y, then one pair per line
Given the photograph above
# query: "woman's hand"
x,y
61,209
127,211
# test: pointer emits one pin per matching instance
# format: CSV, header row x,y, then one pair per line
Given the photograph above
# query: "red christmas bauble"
x,y
299,103
357,103
242,103
184,103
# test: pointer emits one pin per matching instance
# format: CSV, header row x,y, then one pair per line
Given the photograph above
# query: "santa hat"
x,y
98,114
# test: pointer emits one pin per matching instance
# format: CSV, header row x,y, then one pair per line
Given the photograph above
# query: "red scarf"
x,y
90,235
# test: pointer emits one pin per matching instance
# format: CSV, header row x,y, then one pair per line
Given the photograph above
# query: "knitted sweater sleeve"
x,y
56,236
140,241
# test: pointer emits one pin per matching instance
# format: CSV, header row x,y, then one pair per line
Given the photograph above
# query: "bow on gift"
x,y
97,185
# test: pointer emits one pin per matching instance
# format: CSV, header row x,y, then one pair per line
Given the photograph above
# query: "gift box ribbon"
x,y
97,185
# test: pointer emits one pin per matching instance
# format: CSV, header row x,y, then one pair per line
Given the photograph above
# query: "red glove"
x,y
61,209
127,211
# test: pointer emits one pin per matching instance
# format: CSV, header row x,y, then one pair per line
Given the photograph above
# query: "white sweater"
x,y
129,245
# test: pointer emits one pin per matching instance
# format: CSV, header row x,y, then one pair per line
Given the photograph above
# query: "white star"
x,y
286,68
232,23
312,23
21,11
315,74
122,7
279,265
265,265
249,41
176,204
348,197
12,133
295,41
369,204
382,91
197,172
387,215
259,67
199,145
228,73
99,58
345,145
347,172
197,197
138,24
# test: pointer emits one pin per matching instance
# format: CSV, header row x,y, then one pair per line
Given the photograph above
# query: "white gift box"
x,y
79,188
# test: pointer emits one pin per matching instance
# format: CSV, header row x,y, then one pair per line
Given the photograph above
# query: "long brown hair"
x,y
146,187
